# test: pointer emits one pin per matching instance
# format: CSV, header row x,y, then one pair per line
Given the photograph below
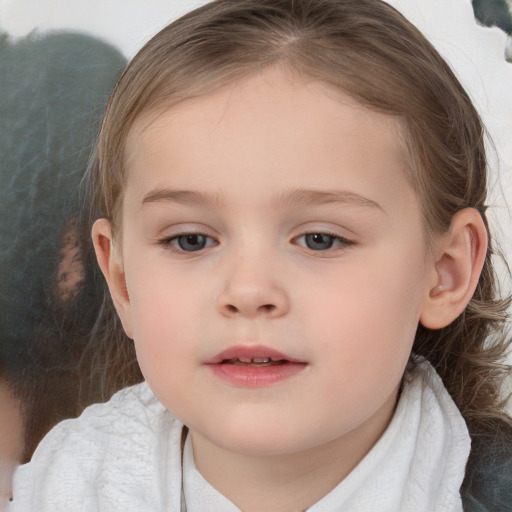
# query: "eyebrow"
x,y
289,198
320,197
185,197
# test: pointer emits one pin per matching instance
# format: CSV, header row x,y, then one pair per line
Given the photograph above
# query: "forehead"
x,y
273,125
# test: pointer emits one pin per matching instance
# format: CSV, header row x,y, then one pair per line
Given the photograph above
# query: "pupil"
x,y
192,242
319,241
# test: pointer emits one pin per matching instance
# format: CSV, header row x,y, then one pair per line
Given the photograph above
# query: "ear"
x,y
458,261
111,265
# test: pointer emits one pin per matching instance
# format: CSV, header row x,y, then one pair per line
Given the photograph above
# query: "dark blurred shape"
x,y
493,13
55,352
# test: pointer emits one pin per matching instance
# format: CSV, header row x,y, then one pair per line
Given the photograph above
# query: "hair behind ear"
x,y
468,348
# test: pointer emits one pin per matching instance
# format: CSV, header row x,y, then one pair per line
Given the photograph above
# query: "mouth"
x,y
254,366
251,354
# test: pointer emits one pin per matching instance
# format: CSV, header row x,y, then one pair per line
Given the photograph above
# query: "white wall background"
x,y
127,24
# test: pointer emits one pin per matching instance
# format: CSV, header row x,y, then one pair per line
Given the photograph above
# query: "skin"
x,y
349,312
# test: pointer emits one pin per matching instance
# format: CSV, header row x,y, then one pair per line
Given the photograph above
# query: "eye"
x,y
321,241
189,242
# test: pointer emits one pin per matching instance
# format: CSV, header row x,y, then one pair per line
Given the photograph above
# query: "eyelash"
x,y
342,242
170,243
173,243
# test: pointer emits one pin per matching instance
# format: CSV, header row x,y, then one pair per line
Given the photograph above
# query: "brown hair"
x,y
372,53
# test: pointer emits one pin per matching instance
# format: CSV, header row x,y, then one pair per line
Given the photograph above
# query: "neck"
x,y
288,482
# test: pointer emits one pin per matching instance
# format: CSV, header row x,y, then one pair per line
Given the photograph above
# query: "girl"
x,y
290,215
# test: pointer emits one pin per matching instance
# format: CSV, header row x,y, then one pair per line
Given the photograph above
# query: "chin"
x,y
262,440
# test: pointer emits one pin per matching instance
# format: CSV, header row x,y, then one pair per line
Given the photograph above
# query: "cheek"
x,y
368,312
363,325
163,299
166,311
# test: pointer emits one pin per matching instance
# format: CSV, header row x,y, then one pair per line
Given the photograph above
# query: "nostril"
x,y
264,308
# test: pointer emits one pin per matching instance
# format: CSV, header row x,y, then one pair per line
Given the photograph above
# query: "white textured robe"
x,y
125,456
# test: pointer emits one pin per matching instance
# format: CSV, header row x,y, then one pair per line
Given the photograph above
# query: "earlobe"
x,y
111,266
458,262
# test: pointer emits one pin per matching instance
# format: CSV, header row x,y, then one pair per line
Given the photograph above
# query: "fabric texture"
x,y
125,455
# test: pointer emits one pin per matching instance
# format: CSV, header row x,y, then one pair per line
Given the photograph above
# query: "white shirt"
x,y
125,456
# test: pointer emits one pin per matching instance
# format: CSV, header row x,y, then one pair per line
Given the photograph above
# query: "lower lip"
x,y
255,376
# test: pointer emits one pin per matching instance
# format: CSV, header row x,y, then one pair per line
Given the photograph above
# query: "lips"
x,y
254,366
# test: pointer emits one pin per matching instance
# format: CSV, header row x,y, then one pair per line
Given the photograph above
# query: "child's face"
x,y
270,214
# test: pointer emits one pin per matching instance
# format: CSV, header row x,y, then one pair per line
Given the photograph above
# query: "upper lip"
x,y
251,352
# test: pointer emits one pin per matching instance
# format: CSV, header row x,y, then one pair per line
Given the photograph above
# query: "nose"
x,y
253,289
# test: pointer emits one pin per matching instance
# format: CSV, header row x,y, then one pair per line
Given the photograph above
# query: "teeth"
x,y
258,360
